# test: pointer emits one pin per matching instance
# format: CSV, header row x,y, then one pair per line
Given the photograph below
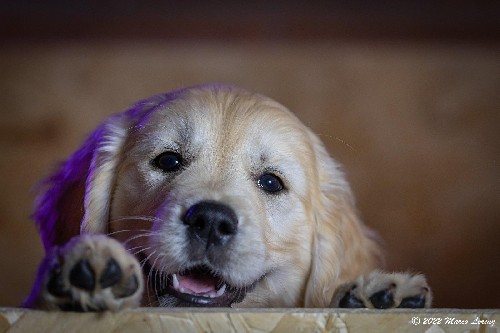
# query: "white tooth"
x,y
206,295
182,290
221,290
175,281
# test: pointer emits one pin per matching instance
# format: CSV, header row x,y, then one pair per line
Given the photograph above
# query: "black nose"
x,y
211,222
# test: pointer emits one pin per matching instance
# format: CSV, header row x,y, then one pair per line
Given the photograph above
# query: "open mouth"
x,y
197,286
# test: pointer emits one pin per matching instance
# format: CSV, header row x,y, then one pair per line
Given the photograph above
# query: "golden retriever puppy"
x,y
208,196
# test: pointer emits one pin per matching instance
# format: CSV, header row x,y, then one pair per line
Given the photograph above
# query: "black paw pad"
x,y
82,276
112,274
383,299
350,301
74,307
77,307
56,286
414,302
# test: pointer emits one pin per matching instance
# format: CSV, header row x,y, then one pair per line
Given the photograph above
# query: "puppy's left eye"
x,y
168,161
270,183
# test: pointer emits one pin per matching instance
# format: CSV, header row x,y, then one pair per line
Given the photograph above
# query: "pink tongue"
x,y
196,283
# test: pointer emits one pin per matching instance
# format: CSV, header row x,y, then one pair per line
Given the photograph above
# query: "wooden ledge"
x,y
252,320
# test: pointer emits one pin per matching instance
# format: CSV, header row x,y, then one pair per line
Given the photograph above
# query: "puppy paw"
x,y
383,291
89,273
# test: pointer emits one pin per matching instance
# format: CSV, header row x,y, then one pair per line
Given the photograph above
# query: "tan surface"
x,y
286,321
416,127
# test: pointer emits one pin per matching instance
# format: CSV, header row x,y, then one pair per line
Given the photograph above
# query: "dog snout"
x,y
212,223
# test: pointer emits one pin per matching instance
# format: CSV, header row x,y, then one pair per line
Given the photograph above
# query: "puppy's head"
x,y
225,197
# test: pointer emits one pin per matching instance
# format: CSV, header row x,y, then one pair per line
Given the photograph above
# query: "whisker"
x,y
127,230
141,250
156,274
136,247
337,139
148,234
163,267
162,277
136,217
142,263
144,218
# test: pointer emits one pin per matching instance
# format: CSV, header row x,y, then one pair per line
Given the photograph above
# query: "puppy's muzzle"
x,y
210,223
211,228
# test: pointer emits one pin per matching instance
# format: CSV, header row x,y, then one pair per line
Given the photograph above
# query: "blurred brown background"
x,y
405,94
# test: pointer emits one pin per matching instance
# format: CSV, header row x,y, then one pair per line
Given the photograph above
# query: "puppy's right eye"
x,y
168,161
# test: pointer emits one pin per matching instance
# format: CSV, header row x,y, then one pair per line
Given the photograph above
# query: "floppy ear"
x,y
343,248
78,195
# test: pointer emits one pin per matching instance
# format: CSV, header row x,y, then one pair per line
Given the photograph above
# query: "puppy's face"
x,y
213,193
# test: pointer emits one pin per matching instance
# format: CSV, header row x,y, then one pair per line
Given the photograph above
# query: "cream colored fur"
x,y
300,244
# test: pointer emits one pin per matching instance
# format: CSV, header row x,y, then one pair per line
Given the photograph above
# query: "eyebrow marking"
x,y
263,158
